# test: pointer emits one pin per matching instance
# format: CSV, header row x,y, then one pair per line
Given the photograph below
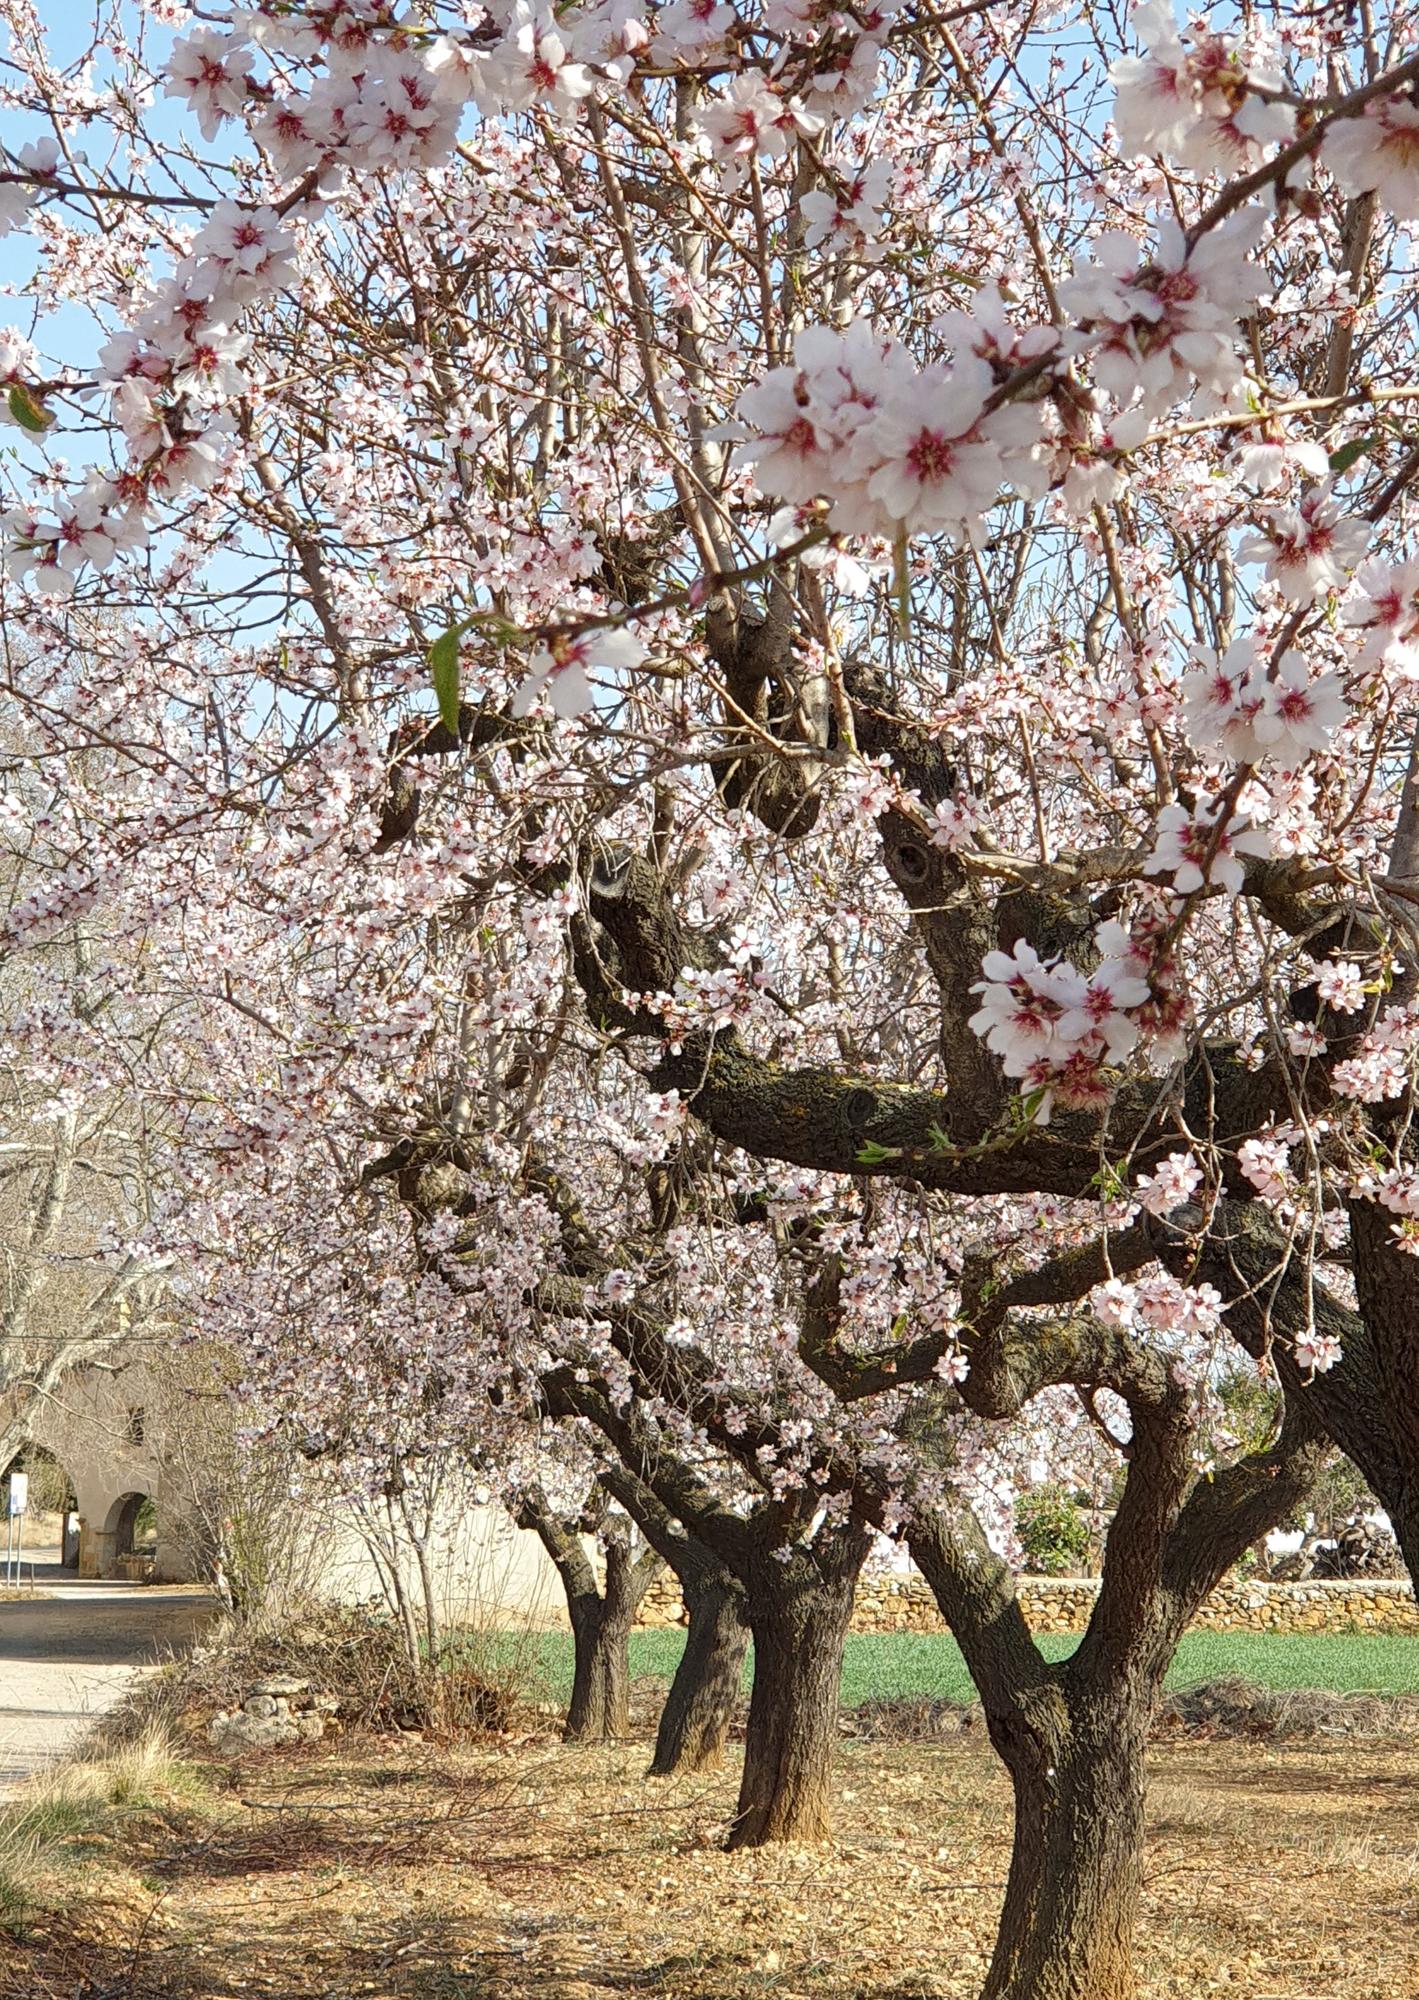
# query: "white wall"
x,y
485,1570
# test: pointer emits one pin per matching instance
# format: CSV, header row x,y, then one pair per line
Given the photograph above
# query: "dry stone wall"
x,y
903,1603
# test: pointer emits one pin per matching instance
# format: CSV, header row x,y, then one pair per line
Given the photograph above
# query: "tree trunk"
x,y
601,1619
601,1629
599,1710
695,1720
1402,1507
798,1613
1071,1900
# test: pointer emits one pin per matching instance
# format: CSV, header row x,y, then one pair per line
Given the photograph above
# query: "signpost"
x,y
15,1526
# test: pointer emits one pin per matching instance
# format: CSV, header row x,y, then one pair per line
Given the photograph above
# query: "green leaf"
x,y
26,408
1350,454
443,666
874,1155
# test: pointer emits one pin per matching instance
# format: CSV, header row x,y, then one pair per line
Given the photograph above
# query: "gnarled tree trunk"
x,y
695,1720
1073,1739
601,1620
599,1711
799,1612
1073,1736
1071,1899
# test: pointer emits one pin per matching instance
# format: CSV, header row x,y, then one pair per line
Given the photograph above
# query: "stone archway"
x,y
126,1544
109,1428
52,1522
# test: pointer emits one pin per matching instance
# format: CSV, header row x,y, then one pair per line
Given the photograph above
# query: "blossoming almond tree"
x,y
925,664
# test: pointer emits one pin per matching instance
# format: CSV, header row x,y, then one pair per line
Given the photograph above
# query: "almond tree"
x,y
602,1609
909,540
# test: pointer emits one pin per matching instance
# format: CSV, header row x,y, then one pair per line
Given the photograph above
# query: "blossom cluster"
x,y
899,448
1385,606
1245,709
902,449
1396,1189
1215,100
1204,98
1308,549
1170,1185
1056,1028
1160,1302
1160,323
1378,153
724,996
1383,1065
172,379
1265,1159
1204,847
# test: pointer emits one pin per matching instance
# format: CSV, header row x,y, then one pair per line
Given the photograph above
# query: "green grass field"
x,y
884,1665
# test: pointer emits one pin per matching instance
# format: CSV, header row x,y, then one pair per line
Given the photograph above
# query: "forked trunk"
x,y
799,1625
600,1710
695,1720
1071,1900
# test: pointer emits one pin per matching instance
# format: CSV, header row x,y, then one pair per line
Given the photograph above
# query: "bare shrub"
x,y
344,1651
236,1503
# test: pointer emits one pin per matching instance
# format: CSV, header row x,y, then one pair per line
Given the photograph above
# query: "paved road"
x,y
68,1655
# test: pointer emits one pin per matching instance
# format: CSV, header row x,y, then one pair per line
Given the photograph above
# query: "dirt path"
x,y
69,1654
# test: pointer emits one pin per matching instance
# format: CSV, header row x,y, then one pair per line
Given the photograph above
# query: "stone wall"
x,y
903,1603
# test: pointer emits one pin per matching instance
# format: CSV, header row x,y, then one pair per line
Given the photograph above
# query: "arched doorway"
x,y
52,1510
133,1526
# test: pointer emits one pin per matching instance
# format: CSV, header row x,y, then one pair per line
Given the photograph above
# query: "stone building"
x,y
126,1519
133,1453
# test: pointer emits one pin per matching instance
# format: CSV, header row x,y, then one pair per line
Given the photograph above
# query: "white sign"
x,y
19,1492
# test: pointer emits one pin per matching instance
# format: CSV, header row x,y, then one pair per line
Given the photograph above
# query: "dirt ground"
x,y
387,1868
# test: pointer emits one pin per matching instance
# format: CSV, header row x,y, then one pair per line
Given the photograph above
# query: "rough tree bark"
x,y
1073,1735
601,1619
799,1610
1071,1898
1387,1287
694,1724
599,1710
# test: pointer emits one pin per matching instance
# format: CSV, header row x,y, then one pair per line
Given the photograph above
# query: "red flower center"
x,y
932,456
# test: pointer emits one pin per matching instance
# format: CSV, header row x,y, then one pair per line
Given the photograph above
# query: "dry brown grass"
x,y
378,1868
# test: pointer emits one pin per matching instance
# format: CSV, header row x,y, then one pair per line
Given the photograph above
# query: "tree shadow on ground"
x,y
387,1959
1319,1779
296,1840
